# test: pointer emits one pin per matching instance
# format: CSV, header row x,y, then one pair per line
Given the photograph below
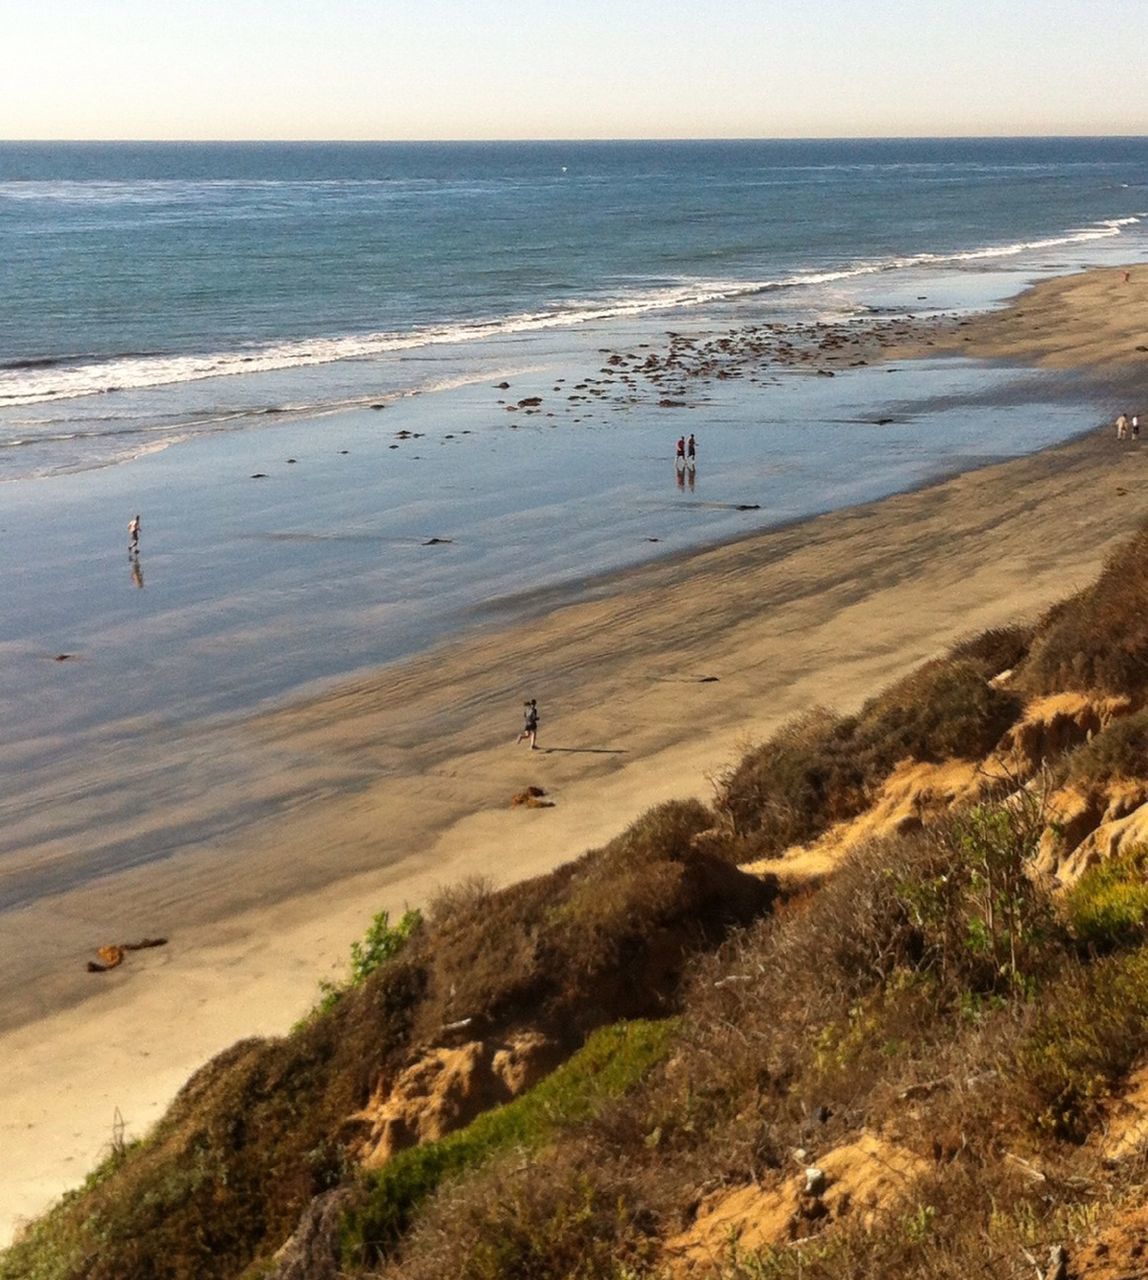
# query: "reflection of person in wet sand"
x,y
530,726
137,572
134,533
691,476
680,476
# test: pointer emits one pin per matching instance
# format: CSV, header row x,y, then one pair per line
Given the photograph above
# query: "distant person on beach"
x,y
691,448
134,533
1121,427
1135,426
681,449
530,725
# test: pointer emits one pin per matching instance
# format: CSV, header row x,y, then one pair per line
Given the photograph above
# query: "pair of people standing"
x,y
1126,426
687,449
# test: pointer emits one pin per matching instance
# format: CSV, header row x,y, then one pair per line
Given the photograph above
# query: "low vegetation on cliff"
x,y
658,1062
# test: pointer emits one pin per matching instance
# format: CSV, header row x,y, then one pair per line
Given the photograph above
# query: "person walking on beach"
x,y
1135,426
691,449
680,452
1121,427
134,533
530,725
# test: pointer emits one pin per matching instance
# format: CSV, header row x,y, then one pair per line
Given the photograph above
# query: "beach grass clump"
x,y
552,1221
995,651
598,939
1097,640
794,786
381,942
1092,1029
612,1061
942,711
1107,907
820,768
1118,752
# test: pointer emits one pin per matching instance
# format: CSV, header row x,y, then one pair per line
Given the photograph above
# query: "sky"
x,y
462,69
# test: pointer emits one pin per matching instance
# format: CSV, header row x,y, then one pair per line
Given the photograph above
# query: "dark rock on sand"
x,y
259,475
436,542
501,386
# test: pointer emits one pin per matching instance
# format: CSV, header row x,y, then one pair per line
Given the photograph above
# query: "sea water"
x,y
177,320
151,291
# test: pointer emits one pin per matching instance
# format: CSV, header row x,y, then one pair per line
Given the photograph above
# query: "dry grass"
x,y
996,650
820,769
1098,639
598,939
1119,752
809,1026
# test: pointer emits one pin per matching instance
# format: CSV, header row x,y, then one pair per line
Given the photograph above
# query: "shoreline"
x,y
421,752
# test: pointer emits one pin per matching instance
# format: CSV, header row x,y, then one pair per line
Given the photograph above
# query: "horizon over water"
x,y
178,319
152,290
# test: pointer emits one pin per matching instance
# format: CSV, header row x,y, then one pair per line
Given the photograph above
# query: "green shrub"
x,y
1107,907
613,1060
1093,1028
381,943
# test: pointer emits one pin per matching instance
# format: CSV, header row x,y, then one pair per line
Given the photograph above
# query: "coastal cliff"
x,y
880,1009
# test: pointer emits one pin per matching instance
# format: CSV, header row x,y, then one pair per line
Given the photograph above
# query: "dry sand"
x,y
1097,320
647,687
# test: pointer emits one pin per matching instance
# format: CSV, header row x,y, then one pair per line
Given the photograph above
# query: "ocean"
x,y
152,291
289,359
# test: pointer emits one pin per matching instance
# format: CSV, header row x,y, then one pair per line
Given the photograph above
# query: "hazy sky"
x,y
380,69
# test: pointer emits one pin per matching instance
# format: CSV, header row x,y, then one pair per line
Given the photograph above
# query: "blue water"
x,y
129,272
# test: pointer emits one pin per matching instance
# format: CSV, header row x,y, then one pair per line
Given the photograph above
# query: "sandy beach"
x,y
648,685
1096,320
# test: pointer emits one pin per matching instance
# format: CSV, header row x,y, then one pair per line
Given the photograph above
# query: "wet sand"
x,y
647,686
